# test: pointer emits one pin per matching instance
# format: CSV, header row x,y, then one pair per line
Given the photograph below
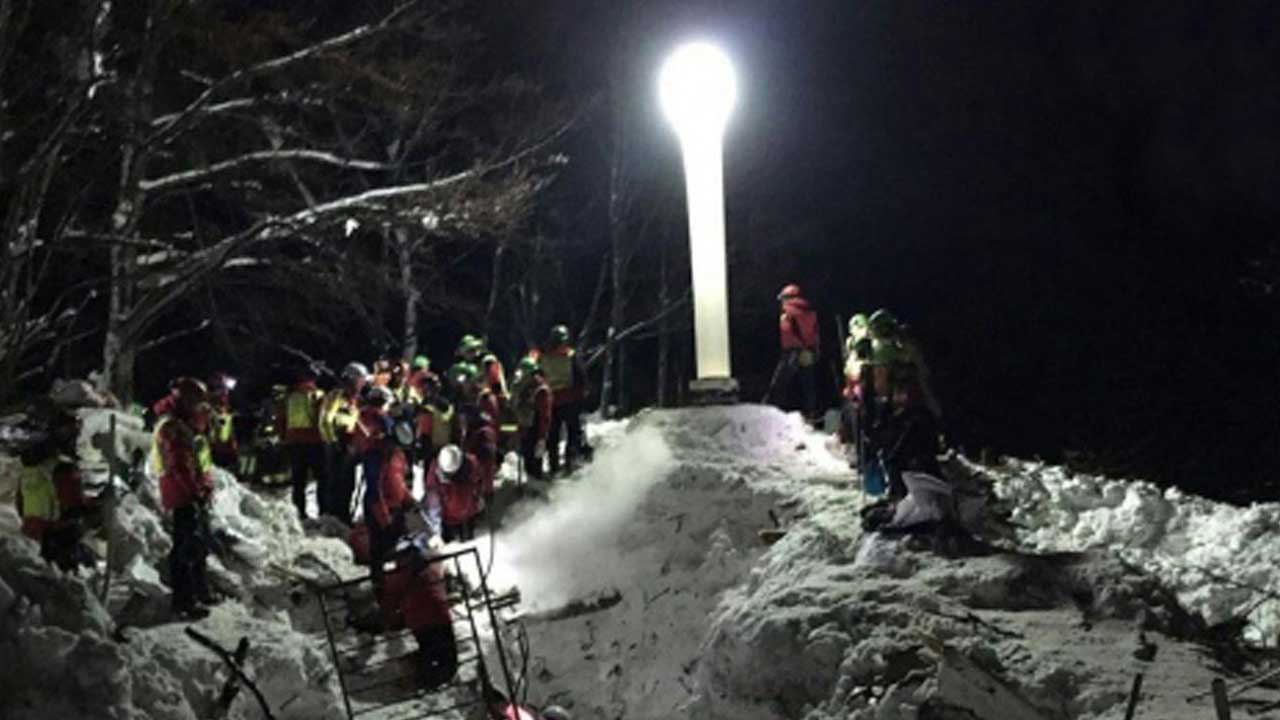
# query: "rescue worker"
x,y
437,421
798,332
387,497
50,497
857,350
531,400
338,415
381,373
481,442
472,350
399,385
415,595
222,434
421,375
911,438
183,460
453,495
299,424
567,378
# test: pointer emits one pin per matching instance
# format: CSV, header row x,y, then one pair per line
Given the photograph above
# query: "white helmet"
x,y
449,460
555,712
355,371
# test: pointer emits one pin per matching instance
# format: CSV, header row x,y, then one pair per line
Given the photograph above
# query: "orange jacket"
x,y
798,325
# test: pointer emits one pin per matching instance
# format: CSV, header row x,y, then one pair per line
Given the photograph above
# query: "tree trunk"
x,y
119,354
409,294
495,287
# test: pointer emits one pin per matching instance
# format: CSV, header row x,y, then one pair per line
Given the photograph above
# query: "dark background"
x,y
1066,201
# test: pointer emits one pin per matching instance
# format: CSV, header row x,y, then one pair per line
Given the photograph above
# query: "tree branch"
x,y
199,174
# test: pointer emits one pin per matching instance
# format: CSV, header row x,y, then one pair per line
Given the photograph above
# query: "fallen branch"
x,y
230,661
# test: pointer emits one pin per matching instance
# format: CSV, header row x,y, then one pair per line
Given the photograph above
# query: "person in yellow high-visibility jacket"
x,y
567,377
222,434
339,413
50,497
299,424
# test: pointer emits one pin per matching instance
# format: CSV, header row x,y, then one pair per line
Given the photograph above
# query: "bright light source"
x,y
697,89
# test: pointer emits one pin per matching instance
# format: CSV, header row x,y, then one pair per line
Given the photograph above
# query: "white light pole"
x,y
697,89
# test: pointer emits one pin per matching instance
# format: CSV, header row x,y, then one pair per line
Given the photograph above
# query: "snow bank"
x,y
1219,558
75,656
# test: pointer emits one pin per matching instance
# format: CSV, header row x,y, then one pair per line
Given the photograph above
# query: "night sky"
x,y
1062,199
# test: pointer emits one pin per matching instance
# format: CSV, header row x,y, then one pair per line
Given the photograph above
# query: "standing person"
x,y
338,415
299,422
453,495
180,453
472,349
531,399
387,496
421,376
798,331
51,498
567,378
481,442
857,350
222,433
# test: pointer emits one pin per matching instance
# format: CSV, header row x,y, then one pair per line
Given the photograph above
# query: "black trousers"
x,y
461,532
566,418
187,574
437,654
340,472
528,453
306,460
789,372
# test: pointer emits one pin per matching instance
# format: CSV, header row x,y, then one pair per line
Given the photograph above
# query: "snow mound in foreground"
x,y
1219,558
684,611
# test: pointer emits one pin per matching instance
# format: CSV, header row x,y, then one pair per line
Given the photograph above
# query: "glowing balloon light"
x,y
697,90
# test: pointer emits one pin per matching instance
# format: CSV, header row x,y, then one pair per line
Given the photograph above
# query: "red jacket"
x,y
369,431
458,500
416,601
393,490
798,325
482,442
533,407
184,477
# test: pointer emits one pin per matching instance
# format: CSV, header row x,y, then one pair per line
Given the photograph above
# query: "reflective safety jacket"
x,y
182,459
300,419
338,415
532,404
46,492
564,374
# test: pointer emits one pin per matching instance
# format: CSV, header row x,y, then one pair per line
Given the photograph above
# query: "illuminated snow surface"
x,y
699,618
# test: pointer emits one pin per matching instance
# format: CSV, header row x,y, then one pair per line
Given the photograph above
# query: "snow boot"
x,y
189,612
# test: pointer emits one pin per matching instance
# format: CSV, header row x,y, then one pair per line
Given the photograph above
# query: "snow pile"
x,y
1220,559
686,612
76,656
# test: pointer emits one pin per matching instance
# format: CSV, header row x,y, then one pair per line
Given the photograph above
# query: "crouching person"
x,y
182,458
416,595
51,498
453,494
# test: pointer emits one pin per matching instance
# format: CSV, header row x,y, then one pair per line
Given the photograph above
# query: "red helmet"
x,y
789,291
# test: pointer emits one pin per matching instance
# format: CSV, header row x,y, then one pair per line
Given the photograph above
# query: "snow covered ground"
x,y
649,593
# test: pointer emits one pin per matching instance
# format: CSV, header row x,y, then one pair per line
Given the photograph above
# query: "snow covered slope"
x,y
709,622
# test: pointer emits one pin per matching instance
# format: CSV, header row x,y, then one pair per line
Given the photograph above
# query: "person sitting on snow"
x,y
453,494
50,497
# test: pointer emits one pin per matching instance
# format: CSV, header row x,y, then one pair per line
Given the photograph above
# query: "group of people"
x,y
890,419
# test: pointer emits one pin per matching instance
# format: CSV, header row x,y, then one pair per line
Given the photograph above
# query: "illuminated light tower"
x,y
697,89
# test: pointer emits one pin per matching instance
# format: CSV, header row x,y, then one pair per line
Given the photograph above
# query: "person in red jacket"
x,y
414,596
181,455
481,442
453,495
299,423
387,496
798,329
531,400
